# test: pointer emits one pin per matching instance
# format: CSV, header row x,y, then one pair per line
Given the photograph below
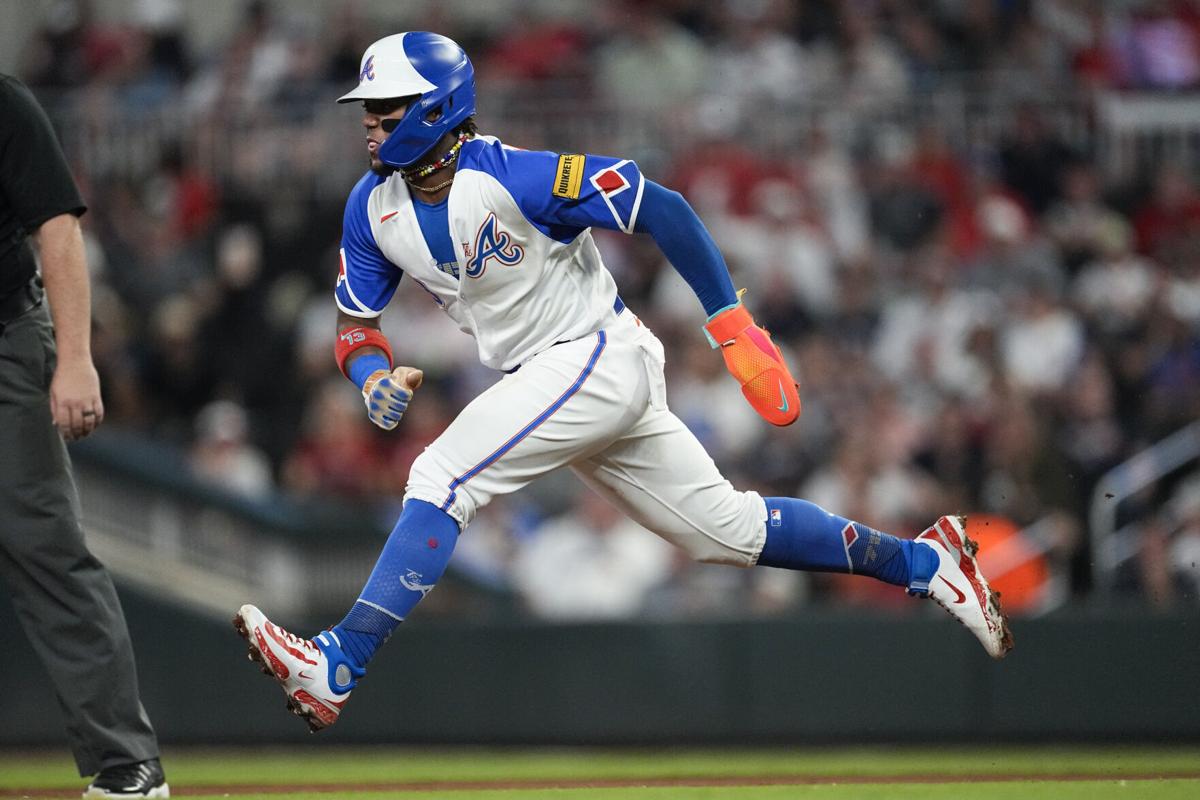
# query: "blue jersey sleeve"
x,y
564,194
366,279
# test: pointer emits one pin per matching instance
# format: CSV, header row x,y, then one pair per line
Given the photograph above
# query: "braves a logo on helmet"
x,y
368,70
491,242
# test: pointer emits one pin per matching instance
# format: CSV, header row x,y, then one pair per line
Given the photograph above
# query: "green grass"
x,y
1083,790
199,773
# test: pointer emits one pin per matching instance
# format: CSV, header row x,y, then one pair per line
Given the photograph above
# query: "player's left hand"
x,y
387,394
75,403
752,358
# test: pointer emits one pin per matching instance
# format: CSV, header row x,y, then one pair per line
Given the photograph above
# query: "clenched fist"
x,y
387,394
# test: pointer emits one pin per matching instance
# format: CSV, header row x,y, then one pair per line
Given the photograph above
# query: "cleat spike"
x,y
302,668
959,587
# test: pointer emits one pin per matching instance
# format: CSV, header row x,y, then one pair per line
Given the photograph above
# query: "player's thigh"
x,y
662,477
564,404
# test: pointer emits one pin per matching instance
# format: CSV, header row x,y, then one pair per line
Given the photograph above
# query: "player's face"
x,y
374,113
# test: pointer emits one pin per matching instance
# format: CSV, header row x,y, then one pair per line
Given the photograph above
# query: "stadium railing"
x,y
1112,545
313,146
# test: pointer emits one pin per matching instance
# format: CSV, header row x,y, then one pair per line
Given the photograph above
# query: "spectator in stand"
x,y
926,331
904,211
1097,64
1012,254
715,171
1025,475
1090,434
534,50
1080,224
1170,217
337,454
701,397
1158,49
174,370
222,456
1182,293
754,63
591,563
785,253
925,49
1032,160
1042,341
871,73
829,173
648,65
1171,396
1115,290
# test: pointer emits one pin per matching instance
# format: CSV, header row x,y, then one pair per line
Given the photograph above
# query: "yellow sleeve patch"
x,y
569,177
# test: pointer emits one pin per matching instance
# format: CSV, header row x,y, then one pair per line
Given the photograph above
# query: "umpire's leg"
x,y
62,595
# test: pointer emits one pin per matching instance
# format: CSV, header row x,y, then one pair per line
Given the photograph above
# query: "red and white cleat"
x,y
958,585
314,673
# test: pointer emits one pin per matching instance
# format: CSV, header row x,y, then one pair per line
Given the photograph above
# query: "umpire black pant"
x,y
62,595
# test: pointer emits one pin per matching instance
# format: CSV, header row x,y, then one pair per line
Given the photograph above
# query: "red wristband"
x,y
352,339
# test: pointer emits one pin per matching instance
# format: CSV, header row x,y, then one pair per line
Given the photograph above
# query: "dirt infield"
x,y
623,783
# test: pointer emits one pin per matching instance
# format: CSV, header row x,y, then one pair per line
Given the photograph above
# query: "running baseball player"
x,y
500,239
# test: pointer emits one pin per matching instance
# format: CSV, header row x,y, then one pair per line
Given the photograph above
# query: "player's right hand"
x,y
387,394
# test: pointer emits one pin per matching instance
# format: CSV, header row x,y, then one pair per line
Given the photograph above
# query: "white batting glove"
x,y
387,394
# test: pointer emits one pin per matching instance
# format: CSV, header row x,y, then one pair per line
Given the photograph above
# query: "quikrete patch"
x,y
569,176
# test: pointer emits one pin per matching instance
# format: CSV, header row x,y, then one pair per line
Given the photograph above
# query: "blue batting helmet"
x,y
429,66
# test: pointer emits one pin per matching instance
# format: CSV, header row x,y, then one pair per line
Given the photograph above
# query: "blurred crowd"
x,y
982,316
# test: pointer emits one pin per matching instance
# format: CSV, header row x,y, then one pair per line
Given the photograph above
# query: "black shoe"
x,y
143,779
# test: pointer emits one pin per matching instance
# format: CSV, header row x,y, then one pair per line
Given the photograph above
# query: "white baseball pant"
x,y
598,405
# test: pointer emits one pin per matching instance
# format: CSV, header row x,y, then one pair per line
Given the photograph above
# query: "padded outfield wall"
x,y
821,677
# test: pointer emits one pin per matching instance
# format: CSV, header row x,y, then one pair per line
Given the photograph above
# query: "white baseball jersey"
x,y
526,274
519,272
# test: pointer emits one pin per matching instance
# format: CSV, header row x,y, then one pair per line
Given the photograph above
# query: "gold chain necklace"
x,y
430,189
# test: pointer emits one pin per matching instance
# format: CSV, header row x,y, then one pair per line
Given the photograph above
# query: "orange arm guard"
x,y
752,358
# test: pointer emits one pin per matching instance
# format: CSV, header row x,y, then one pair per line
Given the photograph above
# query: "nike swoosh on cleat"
x,y
783,397
962,598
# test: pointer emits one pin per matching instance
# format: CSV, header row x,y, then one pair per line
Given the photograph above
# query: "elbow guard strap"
x,y
352,339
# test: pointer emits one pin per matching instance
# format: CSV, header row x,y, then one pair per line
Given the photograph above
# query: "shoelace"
x,y
307,644
126,776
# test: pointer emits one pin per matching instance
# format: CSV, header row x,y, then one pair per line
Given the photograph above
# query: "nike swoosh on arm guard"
x,y
752,358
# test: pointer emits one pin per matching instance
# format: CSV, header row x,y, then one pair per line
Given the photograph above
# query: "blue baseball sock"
x,y
413,559
804,536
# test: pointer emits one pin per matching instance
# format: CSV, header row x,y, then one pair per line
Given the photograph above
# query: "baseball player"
x,y
500,239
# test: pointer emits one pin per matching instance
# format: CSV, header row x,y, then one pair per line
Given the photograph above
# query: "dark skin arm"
x,y
407,376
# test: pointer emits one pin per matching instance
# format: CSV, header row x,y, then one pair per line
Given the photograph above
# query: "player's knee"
x,y
726,555
431,479
732,533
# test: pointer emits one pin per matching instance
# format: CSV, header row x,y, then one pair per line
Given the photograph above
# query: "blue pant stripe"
x,y
497,454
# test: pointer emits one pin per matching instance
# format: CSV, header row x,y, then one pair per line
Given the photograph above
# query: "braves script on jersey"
x,y
530,274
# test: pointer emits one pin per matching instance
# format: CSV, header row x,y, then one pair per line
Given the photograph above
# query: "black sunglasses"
x,y
385,105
